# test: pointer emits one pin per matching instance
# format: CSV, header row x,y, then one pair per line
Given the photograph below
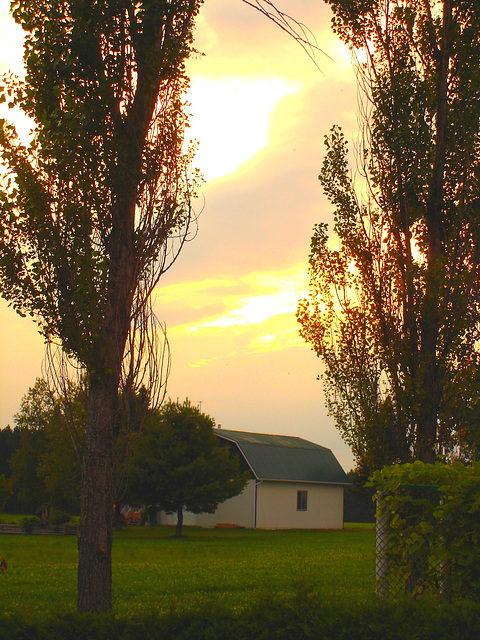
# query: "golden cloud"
x,y
274,295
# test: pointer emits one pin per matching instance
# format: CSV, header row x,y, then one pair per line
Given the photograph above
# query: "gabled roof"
x,y
286,458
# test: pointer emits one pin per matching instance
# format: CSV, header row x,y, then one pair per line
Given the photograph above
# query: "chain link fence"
x,y
381,547
420,562
428,530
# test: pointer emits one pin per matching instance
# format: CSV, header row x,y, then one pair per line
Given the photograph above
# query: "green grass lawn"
x,y
155,572
11,518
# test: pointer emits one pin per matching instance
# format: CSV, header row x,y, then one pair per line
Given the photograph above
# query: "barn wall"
x,y
277,506
238,510
170,519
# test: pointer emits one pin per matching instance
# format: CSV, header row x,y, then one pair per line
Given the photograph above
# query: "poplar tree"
x,y
90,207
394,305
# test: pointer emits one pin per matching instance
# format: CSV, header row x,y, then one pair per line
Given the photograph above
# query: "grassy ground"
x,y
217,584
11,518
155,572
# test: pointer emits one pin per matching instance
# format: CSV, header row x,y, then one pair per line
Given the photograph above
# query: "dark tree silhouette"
x,y
90,209
394,312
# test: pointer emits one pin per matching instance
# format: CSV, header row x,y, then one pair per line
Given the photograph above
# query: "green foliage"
x,y
358,503
393,310
265,617
4,491
58,517
35,413
9,443
29,522
94,148
46,465
179,464
434,525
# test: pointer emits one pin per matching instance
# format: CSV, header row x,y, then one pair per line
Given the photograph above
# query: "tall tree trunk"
x,y
430,391
179,527
97,495
99,465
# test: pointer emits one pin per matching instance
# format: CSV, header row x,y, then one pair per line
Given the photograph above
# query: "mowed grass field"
x,y
154,572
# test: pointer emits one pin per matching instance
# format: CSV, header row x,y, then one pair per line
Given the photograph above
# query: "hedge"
x,y
434,525
272,620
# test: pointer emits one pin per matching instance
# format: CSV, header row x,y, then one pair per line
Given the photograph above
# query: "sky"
x,y
259,110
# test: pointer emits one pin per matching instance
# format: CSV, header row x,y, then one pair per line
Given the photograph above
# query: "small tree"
x,y
179,464
9,443
46,464
35,412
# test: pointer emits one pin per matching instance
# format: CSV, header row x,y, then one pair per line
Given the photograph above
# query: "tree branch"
x,y
297,30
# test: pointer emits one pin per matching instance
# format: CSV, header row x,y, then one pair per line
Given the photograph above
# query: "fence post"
x,y
382,523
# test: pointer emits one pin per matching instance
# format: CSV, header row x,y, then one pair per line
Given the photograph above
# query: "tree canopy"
x,y
178,463
94,208
394,311
46,464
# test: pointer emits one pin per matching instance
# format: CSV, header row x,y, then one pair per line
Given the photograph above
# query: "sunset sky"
x,y
260,109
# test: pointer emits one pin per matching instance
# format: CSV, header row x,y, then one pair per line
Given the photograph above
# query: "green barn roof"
x,y
286,458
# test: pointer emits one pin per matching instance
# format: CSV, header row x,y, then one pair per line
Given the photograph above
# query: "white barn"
x,y
295,484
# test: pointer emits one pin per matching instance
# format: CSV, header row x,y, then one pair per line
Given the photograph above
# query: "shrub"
x,y
29,522
434,525
270,619
57,518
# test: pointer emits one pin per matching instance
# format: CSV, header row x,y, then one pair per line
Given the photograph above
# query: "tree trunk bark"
x,y
430,391
179,527
125,267
99,464
97,496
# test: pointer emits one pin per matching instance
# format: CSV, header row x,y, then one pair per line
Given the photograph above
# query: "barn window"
x,y
301,500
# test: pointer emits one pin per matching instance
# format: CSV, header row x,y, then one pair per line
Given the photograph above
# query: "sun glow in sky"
x,y
231,119
260,109
275,294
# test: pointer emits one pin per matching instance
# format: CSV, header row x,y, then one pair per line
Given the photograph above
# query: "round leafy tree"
x,y
179,463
